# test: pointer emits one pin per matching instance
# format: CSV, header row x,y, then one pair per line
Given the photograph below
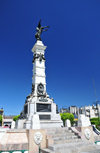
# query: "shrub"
x,y
15,118
65,116
96,122
94,119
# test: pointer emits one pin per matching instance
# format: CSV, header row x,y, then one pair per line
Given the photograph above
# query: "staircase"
x,y
66,141
62,137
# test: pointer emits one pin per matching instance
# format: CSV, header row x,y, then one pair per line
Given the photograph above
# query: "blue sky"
x,y
72,54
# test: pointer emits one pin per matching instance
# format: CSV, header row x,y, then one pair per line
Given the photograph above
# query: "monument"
x,y
39,111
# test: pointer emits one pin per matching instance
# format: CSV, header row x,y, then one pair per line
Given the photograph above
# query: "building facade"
x,y
89,111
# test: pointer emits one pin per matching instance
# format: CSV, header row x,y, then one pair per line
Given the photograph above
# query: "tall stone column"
x,y
39,77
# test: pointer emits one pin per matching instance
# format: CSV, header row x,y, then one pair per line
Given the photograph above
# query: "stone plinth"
x,y
67,123
86,134
45,112
35,122
83,121
20,123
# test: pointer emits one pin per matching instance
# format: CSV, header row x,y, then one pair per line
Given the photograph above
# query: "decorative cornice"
x,y
38,45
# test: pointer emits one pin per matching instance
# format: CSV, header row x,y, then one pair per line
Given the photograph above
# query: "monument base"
x,y
23,124
40,114
43,121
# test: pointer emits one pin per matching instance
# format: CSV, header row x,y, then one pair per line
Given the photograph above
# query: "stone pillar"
x,y
35,122
33,147
38,66
67,123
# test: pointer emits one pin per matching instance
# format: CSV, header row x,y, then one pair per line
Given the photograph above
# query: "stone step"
x,y
57,132
61,131
74,147
47,150
62,135
58,129
62,146
65,137
67,141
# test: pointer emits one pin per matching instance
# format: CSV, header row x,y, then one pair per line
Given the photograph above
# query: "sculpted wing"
x,y
39,24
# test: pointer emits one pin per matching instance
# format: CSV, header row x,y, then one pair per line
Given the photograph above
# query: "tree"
x,y
65,116
1,119
15,118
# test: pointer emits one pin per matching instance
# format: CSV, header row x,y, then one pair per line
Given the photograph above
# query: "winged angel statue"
x,y
39,30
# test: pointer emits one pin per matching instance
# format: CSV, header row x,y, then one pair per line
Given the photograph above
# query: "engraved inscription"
x,y
43,107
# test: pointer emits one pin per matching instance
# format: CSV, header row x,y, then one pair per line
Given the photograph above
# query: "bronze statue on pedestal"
x,y
39,30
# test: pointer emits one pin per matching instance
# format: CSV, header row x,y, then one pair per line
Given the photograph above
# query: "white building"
x,y
90,111
73,109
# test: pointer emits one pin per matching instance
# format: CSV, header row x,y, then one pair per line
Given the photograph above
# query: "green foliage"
x,y
96,122
15,118
0,118
94,119
65,116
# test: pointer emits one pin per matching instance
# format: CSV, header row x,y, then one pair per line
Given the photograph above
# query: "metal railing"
x,y
11,151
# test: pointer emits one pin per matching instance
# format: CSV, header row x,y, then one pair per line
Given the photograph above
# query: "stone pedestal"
x,y
13,125
20,124
85,128
83,121
33,147
35,122
43,116
67,123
